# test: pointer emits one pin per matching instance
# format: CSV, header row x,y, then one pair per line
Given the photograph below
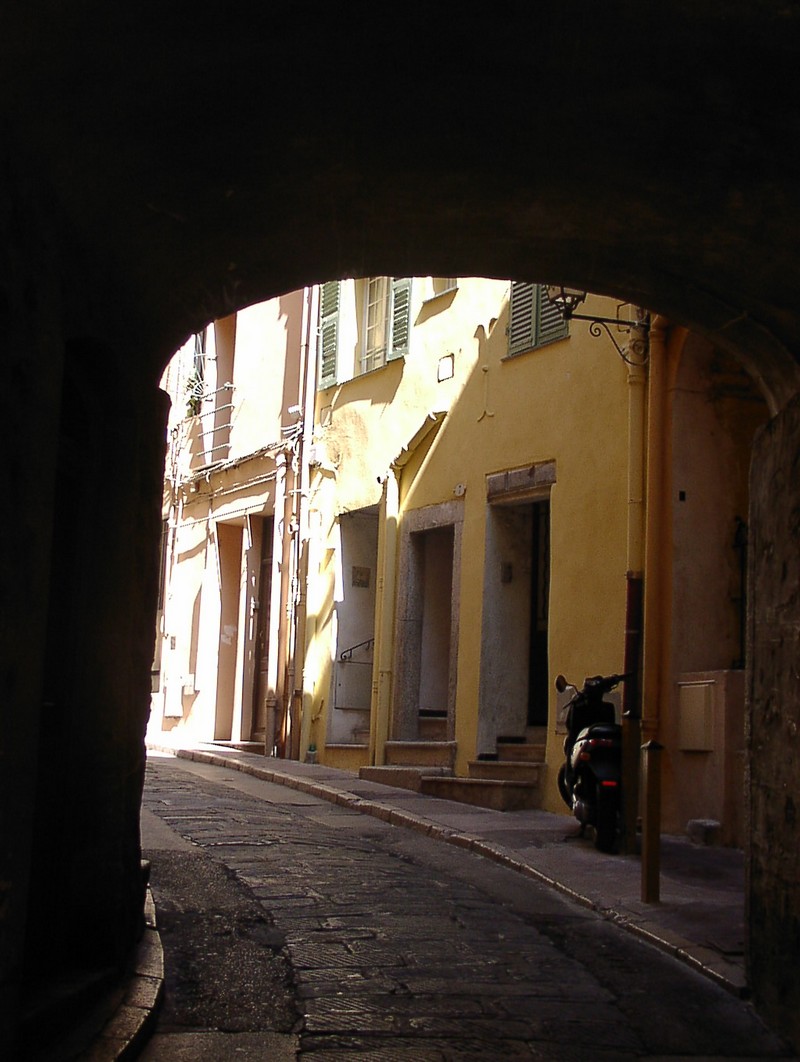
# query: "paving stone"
x,y
402,947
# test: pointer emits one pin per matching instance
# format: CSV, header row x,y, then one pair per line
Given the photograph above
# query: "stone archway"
x,y
165,168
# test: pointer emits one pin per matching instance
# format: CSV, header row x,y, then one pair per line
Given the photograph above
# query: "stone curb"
x,y
704,961
131,1024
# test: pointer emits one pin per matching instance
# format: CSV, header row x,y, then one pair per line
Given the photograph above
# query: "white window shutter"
x,y
329,333
401,318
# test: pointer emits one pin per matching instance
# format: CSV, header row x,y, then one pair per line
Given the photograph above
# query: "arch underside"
x,y
219,161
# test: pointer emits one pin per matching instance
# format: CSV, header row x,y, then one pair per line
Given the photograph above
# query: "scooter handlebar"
x,y
605,683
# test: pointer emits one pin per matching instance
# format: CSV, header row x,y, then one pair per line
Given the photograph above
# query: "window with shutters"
x,y
199,357
376,323
380,310
533,321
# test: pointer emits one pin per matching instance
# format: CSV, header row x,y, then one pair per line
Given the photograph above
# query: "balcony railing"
x,y
210,439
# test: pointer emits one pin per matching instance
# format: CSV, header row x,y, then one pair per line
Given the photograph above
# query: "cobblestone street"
x,y
323,932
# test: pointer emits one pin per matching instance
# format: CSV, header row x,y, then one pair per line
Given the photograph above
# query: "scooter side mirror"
x,y
561,683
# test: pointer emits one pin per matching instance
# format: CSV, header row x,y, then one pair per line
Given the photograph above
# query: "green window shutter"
x,y
328,332
400,310
550,322
521,315
533,320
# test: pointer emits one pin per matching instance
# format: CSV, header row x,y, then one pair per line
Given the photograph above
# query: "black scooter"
x,y
590,778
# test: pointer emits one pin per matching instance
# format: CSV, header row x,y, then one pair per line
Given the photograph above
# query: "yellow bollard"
x,y
651,821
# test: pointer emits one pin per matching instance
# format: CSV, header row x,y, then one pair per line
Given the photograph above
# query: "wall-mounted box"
x,y
696,716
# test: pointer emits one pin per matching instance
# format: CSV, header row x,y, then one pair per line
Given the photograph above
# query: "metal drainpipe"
x,y
657,605
300,700
655,598
290,540
380,704
637,378
283,690
276,674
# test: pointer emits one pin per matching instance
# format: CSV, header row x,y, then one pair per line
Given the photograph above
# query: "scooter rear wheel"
x,y
606,825
563,789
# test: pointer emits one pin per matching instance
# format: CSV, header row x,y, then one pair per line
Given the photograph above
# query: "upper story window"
x,y
196,381
442,286
199,355
533,320
363,325
376,323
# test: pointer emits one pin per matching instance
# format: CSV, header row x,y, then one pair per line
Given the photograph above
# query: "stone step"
x,y
484,792
432,728
520,750
242,746
402,777
421,753
506,770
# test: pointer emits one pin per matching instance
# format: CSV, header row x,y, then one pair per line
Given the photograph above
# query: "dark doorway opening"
x,y
538,672
261,691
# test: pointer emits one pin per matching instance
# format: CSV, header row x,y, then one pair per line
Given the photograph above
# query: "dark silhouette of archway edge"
x,y
221,156
168,163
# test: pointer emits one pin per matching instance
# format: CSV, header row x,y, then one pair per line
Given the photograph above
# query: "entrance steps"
x,y
432,727
408,763
494,793
528,749
243,746
507,770
403,777
421,753
508,780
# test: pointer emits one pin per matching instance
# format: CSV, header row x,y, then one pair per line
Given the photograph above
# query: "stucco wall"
x,y
566,401
773,702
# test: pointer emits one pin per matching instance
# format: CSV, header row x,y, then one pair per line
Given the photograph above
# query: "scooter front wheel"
x,y
606,825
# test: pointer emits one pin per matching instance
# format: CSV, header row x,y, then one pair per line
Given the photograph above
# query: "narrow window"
x,y
376,309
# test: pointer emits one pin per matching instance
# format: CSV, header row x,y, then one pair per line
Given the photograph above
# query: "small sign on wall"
x,y
360,577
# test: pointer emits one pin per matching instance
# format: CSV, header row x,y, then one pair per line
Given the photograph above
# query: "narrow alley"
x,y
294,926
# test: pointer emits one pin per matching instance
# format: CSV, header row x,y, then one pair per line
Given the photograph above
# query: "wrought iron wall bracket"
x,y
635,352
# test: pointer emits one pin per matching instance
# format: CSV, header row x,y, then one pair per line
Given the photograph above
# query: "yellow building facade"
x,y
474,530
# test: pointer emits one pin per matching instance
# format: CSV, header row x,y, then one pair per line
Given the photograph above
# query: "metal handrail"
x,y
347,654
